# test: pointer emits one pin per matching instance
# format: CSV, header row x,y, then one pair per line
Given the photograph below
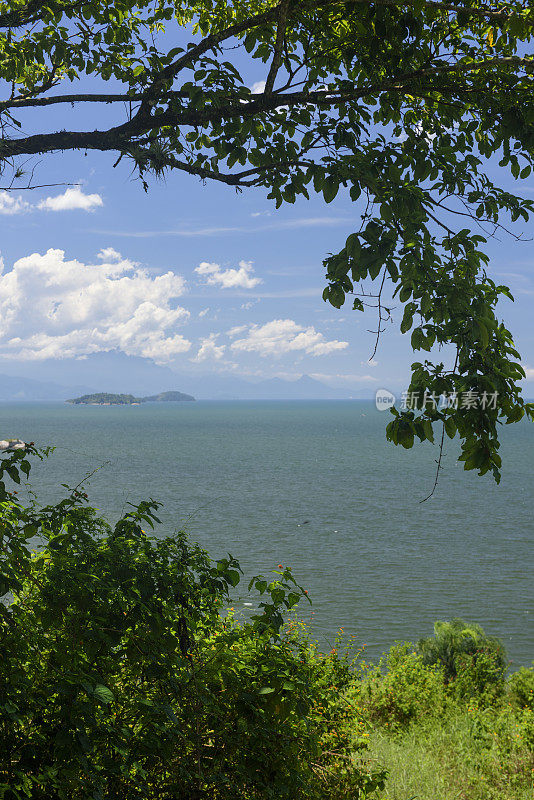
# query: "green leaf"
x,y
352,245
427,427
450,427
330,189
233,577
103,694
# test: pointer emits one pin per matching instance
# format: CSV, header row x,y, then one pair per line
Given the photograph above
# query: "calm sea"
x,y
316,486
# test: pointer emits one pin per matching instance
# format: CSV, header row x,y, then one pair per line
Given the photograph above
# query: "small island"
x,y
109,399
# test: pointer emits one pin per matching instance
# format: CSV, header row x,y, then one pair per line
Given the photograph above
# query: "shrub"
x,y
402,688
120,679
478,676
472,662
521,687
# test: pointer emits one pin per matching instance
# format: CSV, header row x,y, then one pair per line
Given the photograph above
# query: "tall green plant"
x,y
474,661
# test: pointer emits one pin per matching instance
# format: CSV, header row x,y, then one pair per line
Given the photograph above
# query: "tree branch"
x,y
23,102
278,47
119,137
208,43
279,99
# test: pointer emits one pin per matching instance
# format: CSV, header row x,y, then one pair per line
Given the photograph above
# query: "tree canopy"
x,y
401,103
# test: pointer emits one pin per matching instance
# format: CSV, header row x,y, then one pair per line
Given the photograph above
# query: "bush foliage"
x,y
473,662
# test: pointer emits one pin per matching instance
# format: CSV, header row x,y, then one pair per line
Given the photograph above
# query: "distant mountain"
x,y
13,388
121,374
118,372
220,387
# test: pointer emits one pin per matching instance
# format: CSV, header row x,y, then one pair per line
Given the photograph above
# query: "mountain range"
x,y
203,387
118,373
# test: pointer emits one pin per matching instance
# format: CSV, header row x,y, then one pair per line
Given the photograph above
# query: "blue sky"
x,y
196,278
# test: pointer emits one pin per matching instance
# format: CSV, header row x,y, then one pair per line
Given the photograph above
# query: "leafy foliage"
x,y
426,93
472,660
123,675
401,688
470,737
521,687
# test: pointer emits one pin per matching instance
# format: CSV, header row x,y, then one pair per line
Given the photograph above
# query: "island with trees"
x,y
110,399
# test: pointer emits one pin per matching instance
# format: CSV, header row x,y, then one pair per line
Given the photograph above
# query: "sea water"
x,y
314,485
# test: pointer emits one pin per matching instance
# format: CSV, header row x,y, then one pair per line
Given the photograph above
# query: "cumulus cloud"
x,y
51,307
258,87
228,278
209,349
11,204
72,198
282,336
109,254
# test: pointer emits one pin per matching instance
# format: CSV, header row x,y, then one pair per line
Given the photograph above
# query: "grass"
x,y
468,754
439,737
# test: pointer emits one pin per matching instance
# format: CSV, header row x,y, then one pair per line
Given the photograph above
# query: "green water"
x,y
243,477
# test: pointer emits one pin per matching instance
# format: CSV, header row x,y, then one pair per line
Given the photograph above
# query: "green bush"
x,y
402,688
473,663
478,676
120,678
521,687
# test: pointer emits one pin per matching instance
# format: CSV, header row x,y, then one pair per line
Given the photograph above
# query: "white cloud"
x,y
54,308
209,349
529,372
282,336
11,204
72,198
236,330
258,87
203,312
248,305
109,254
228,278
370,363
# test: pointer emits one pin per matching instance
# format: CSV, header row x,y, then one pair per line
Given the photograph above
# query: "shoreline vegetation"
x,y
126,674
110,399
